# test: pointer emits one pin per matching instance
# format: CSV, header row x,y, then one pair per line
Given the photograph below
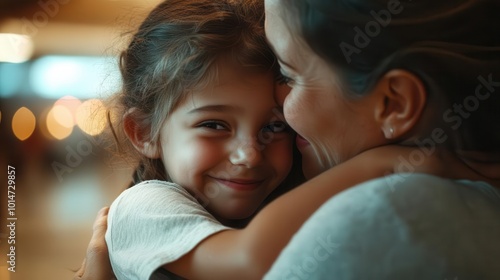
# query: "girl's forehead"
x,y
232,78
228,70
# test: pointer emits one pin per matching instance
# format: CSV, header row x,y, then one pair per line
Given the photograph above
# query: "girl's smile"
x,y
240,184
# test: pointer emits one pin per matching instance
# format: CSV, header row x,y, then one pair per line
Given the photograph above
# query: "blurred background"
x,y
58,61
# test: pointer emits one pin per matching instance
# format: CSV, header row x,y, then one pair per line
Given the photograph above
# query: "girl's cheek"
x,y
282,156
205,154
189,159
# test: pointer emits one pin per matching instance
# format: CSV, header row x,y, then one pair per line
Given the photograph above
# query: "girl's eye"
x,y
213,125
284,80
275,127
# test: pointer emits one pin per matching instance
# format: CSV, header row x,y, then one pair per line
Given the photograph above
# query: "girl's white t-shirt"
x,y
154,223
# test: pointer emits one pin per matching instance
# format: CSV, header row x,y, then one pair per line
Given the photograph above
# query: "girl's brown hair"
x,y
173,52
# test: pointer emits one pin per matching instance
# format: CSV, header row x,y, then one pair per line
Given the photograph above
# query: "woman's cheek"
x,y
299,111
291,111
280,93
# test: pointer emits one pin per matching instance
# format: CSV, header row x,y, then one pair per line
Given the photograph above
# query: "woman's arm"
x,y
96,264
250,252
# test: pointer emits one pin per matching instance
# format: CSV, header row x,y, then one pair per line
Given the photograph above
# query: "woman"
x,y
366,74
418,74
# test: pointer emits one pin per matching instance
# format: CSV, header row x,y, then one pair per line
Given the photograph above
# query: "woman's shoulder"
x,y
419,224
400,185
423,192
422,205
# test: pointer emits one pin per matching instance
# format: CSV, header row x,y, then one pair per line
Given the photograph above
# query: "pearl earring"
x,y
388,133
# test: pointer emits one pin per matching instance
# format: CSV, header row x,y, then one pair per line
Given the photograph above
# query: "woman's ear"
x,y
402,98
139,135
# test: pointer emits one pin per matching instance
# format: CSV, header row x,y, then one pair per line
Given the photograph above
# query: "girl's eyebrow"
x,y
226,108
213,108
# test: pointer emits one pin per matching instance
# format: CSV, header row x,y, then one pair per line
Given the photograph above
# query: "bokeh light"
x,y
59,122
53,76
23,123
63,116
91,117
15,48
71,103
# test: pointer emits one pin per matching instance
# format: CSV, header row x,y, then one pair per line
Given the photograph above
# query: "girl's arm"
x,y
249,253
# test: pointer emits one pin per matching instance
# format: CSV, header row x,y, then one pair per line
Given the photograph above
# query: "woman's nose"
x,y
280,93
247,154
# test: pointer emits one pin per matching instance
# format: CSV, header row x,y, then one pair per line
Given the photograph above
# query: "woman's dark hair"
x,y
452,46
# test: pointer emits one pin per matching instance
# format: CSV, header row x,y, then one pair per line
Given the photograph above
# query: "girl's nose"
x,y
247,154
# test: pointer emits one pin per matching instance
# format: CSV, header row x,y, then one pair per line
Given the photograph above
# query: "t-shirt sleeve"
x,y
152,224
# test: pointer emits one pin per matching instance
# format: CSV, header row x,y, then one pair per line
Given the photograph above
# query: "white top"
x,y
154,223
404,226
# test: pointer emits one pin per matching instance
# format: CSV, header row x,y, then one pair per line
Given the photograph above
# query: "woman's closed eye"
x,y
282,79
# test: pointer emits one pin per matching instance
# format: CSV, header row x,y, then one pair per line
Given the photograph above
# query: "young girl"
x,y
198,107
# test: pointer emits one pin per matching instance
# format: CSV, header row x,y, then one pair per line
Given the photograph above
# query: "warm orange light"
x,y
23,123
63,116
91,117
71,103
59,122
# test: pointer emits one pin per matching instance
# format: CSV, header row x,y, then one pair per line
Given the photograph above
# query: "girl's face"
x,y
228,144
332,128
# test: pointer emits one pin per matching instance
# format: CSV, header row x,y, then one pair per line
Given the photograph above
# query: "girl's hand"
x,y
96,265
